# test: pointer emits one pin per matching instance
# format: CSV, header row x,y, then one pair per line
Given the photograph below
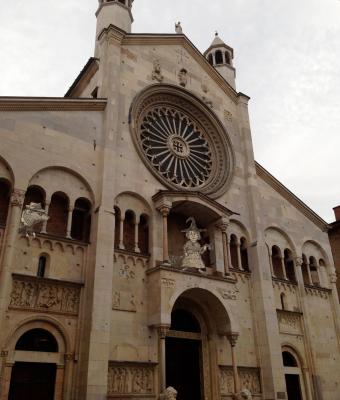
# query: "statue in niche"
x,y
157,71
33,215
169,394
192,249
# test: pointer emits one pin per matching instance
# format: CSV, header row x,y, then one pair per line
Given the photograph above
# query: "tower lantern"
x,y
114,12
220,56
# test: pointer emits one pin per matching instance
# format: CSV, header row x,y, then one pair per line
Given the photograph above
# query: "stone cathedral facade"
x,y
169,257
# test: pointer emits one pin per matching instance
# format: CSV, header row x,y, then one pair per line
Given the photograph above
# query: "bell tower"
x,y
221,57
114,12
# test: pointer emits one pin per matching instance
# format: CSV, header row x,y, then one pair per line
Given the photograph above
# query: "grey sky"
x,y
287,59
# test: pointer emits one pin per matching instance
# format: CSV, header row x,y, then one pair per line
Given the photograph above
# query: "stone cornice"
x,y
84,77
181,40
291,198
51,104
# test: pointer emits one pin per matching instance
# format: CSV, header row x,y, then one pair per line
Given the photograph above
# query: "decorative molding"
x,y
184,335
46,295
290,197
130,257
131,379
284,285
249,379
229,294
317,291
51,104
18,195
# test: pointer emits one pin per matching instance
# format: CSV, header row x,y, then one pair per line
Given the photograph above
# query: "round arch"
x,y
6,171
211,304
49,324
283,240
317,250
69,180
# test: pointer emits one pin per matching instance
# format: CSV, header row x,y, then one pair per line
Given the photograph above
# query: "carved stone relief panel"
x,y
289,322
131,379
38,294
124,301
249,379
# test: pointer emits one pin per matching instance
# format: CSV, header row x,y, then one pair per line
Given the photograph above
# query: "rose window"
x,y
181,141
176,147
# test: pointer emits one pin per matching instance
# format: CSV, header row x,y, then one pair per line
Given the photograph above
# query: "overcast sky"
x,y
287,55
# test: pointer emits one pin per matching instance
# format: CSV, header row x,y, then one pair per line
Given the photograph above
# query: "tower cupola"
x,y
221,57
114,12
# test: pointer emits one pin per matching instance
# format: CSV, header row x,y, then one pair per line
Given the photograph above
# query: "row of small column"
x,y
282,264
223,226
121,245
69,219
162,335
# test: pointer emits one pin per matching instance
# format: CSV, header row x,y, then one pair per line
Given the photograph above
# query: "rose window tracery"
x,y
181,141
176,147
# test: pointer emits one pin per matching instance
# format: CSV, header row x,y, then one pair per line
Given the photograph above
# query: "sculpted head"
x,y
246,395
169,394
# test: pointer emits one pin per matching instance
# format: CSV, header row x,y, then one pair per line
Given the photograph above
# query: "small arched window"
x,y
129,230
5,194
314,271
38,340
143,234
42,266
277,262
81,220
283,301
304,268
289,265
219,57
234,252
58,213
244,254
227,58
210,59
35,194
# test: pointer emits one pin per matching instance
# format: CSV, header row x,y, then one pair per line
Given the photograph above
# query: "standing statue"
x,y
32,216
169,394
178,28
192,249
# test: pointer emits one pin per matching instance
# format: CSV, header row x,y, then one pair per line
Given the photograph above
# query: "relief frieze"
x,y
249,379
289,322
38,294
131,379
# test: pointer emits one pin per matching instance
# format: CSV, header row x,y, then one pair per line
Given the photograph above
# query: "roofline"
x,y
291,198
90,68
181,39
218,46
51,104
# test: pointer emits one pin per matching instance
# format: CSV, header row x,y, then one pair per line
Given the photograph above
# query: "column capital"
x,y
163,331
165,209
4,353
69,357
333,277
18,197
233,337
223,224
298,261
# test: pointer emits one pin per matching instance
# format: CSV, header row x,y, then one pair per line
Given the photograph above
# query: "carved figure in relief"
x,y
48,297
27,295
169,394
119,381
157,71
32,216
183,77
192,249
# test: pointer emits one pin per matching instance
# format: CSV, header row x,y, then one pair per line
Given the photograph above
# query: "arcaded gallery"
x,y
145,254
